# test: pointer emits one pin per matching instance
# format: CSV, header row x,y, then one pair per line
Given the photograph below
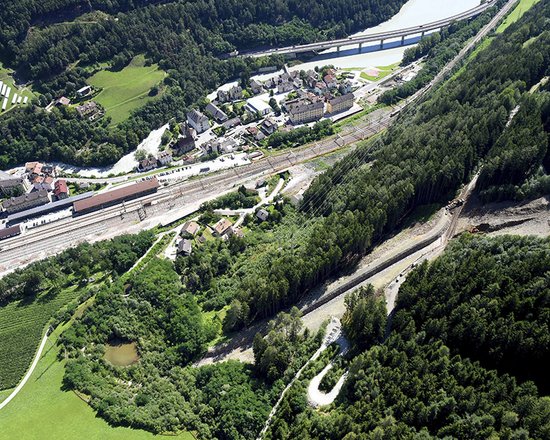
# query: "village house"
x,y
340,103
270,83
33,169
222,96
63,101
185,247
190,228
198,121
262,215
186,141
233,94
330,81
90,110
217,113
311,78
345,87
60,189
9,183
26,201
252,130
222,226
230,123
268,126
233,231
42,183
147,164
307,112
165,158
256,87
285,86
320,88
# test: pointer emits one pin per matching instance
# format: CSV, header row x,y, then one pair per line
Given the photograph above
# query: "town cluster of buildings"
x,y
308,97
223,229
37,186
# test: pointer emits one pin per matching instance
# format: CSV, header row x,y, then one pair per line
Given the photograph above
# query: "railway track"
x,y
53,237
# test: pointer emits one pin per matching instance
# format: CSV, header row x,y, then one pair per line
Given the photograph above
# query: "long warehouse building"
x,y
21,216
116,196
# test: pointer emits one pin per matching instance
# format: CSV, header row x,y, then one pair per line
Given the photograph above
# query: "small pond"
x,y
121,353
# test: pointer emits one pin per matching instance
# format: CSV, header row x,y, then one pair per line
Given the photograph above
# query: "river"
x,y
413,13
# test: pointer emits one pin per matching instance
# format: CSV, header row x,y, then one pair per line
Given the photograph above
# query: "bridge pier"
x,y
338,49
360,47
423,33
403,40
382,44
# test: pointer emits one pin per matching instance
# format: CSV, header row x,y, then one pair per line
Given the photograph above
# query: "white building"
x,y
198,121
256,105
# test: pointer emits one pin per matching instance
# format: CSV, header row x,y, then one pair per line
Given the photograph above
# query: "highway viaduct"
x,y
381,37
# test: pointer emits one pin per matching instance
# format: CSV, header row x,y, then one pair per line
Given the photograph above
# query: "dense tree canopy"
x,y
489,299
485,299
518,166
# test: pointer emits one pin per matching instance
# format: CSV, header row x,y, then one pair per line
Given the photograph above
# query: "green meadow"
x,y
126,90
42,410
522,7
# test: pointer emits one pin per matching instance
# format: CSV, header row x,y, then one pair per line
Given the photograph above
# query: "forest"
x,y
432,376
489,300
423,158
75,265
163,392
185,38
518,167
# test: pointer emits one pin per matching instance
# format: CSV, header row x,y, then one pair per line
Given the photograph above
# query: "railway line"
x,y
54,237
47,240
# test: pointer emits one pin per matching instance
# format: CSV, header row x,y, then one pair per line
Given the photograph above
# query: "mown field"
x,y
43,411
127,89
21,328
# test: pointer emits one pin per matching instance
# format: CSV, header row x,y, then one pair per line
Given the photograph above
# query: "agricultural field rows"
x,y
21,327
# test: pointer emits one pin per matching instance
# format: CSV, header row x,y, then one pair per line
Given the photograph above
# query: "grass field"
x,y
127,89
43,411
384,71
6,78
522,7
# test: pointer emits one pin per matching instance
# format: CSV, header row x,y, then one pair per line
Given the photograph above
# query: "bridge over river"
x,y
359,40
